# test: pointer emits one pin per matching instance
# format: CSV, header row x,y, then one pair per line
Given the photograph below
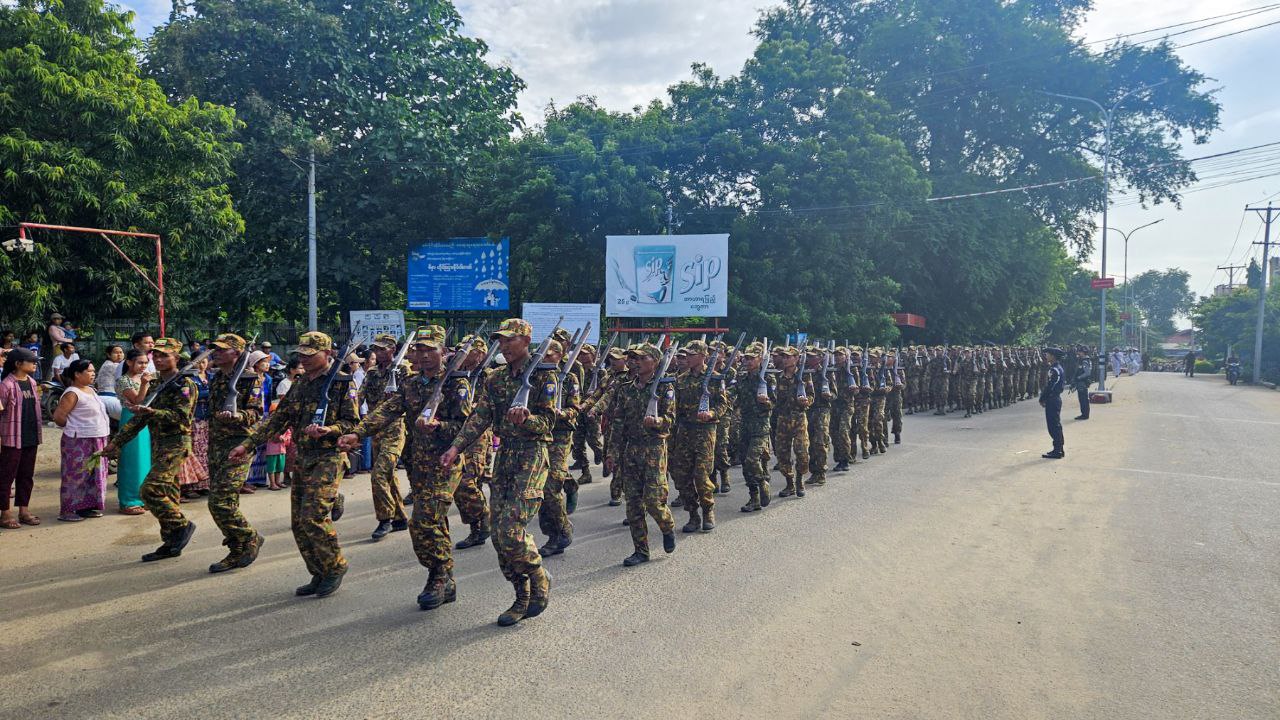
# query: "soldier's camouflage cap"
x,y
513,327
815,350
474,342
386,341
855,349
788,350
314,342
168,346
876,352
694,347
563,336
842,350
431,336
229,341
755,349
645,350
589,348
617,353
556,346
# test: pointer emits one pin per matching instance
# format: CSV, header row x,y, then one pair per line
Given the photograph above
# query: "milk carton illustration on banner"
x,y
655,270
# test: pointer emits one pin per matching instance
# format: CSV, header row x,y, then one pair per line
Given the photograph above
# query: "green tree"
x,y
394,99
1161,295
1075,320
1223,321
86,141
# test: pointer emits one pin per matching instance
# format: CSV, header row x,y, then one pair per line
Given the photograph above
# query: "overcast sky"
x,y
626,52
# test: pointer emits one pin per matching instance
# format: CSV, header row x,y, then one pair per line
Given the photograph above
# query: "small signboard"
x,y
1102,283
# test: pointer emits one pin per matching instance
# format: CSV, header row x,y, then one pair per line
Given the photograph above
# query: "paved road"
x,y
961,576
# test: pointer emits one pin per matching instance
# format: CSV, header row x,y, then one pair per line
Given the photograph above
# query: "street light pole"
x,y
1108,115
1128,293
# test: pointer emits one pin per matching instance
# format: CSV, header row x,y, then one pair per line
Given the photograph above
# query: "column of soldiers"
x,y
516,426
971,379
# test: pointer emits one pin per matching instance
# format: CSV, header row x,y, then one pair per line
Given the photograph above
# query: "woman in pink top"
x,y
20,435
85,427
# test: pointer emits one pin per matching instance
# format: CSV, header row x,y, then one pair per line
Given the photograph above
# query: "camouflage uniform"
x,y
939,374
521,465
862,410
553,516
755,431
226,478
968,377
693,446
473,506
586,431
320,463
170,424
639,456
793,430
819,419
879,395
433,484
387,444
842,414
600,408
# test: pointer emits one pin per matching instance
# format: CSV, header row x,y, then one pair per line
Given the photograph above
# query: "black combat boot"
x,y
694,524
477,537
789,490
329,584
516,612
383,529
400,525
897,438
309,588
753,502
539,592
669,542
240,556
339,507
817,479
641,555
570,500
615,502
765,494
799,486
842,466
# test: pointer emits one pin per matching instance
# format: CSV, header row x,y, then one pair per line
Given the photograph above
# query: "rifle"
x,y
242,363
765,359
704,402
733,355
849,379
866,364
392,385
474,376
598,366
437,394
521,399
652,410
825,387
184,372
322,407
800,389
568,365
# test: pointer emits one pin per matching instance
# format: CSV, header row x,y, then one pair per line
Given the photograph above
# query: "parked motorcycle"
x,y
1233,372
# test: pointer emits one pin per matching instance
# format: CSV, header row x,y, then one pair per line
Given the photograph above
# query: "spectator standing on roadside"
x,y
105,383
193,478
1189,364
20,434
144,342
32,344
135,457
275,359
57,331
85,428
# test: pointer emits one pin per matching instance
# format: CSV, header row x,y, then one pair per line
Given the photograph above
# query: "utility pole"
x,y
1267,215
311,241
1231,274
1108,116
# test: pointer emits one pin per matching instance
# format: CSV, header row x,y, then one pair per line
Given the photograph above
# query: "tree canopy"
x,y
85,140
1161,295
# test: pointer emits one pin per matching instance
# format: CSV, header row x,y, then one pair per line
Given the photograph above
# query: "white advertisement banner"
x,y
666,275
543,316
376,322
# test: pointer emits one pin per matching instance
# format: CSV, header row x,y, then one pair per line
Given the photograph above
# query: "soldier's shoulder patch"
x,y
256,392
462,391
671,392
186,390
351,390
550,389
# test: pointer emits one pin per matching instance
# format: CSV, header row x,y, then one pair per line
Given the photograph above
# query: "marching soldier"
x,y
795,395
433,483
615,374
724,423
387,444
226,430
587,434
755,408
879,395
473,507
693,447
939,373
321,463
553,516
861,404
897,383
638,450
520,468
169,419
819,417
842,411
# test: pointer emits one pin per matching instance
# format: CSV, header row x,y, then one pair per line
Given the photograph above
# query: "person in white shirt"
x,y
106,380
68,356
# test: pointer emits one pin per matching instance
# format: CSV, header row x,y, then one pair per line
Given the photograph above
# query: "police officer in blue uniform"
x,y
1051,401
